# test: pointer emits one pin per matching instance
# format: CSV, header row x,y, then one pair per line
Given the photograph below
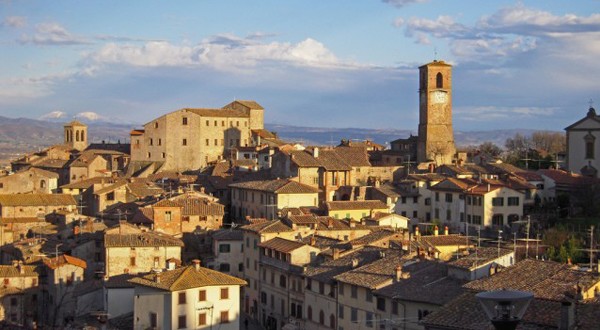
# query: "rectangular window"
x,y
448,215
184,142
216,123
164,155
168,216
513,201
369,320
216,142
341,311
437,213
394,307
181,298
589,150
207,142
207,123
151,141
202,319
403,200
427,201
498,201
202,295
184,121
415,214
224,248
381,304
132,261
224,293
354,315
224,317
448,198
153,320
437,196
149,155
341,289
354,291
369,296
181,322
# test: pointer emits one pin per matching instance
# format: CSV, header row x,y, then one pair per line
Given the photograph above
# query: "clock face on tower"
x,y
439,97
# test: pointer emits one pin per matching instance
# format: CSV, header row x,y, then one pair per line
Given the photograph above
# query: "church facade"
x,y
583,145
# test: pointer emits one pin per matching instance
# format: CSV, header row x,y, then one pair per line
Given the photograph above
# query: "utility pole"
x,y
591,248
499,240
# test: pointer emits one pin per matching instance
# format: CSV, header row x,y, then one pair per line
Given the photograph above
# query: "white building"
x,y
190,297
583,152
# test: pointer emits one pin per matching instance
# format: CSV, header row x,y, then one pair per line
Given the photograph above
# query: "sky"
x,y
316,63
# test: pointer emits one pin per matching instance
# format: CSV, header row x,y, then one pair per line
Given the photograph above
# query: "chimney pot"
x,y
398,273
446,230
436,231
196,263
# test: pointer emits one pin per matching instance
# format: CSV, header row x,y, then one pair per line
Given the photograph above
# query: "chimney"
x,y
417,231
20,267
171,264
316,152
488,187
330,223
313,241
351,223
569,261
446,230
196,263
377,184
354,263
157,277
398,273
567,316
436,231
335,253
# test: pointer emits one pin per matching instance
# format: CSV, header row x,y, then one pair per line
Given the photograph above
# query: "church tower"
x,y
436,136
76,135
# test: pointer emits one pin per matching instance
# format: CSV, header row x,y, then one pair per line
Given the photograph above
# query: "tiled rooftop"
x,y
282,245
281,186
375,274
187,278
37,200
356,205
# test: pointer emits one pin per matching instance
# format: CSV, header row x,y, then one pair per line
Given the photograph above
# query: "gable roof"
x,y
281,186
356,205
37,199
13,271
282,245
273,226
187,278
376,273
56,262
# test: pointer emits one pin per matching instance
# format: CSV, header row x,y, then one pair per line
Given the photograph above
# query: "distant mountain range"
x,y
23,135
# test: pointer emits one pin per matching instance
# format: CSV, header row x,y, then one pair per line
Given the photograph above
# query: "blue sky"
x,y
333,63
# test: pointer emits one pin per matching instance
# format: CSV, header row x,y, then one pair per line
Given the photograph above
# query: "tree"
x,y
549,142
490,148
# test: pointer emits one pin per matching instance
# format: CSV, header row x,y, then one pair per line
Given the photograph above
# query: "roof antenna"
x,y
591,102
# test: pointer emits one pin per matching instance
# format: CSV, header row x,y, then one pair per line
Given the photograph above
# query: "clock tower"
x,y
436,137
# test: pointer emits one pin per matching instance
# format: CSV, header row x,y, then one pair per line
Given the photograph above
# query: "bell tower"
x,y
76,135
436,136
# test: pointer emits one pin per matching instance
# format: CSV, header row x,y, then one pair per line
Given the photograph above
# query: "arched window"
x,y
82,135
309,313
76,135
589,146
332,321
322,317
439,80
43,184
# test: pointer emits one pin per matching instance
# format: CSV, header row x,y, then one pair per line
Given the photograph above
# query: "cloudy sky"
x,y
333,63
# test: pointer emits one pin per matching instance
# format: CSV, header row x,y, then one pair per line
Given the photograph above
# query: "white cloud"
x,y
221,52
14,21
52,34
89,115
54,115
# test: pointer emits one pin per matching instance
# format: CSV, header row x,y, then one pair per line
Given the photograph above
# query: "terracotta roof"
x,y
356,205
12,271
454,184
326,271
137,132
529,176
38,171
545,279
565,178
37,200
22,220
141,239
250,104
273,226
483,256
227,235
375,274
62,260
75,123
353,156
281,186
119,281
187,278
373,237
87,183
445,240
217,113
282,245
425,282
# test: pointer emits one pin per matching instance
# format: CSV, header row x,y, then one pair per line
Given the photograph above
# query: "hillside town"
x,y
206,220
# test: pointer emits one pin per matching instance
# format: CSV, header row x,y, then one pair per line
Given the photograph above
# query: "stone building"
x,y
64,273
19,295
191,138
76,135
131,250
32,180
